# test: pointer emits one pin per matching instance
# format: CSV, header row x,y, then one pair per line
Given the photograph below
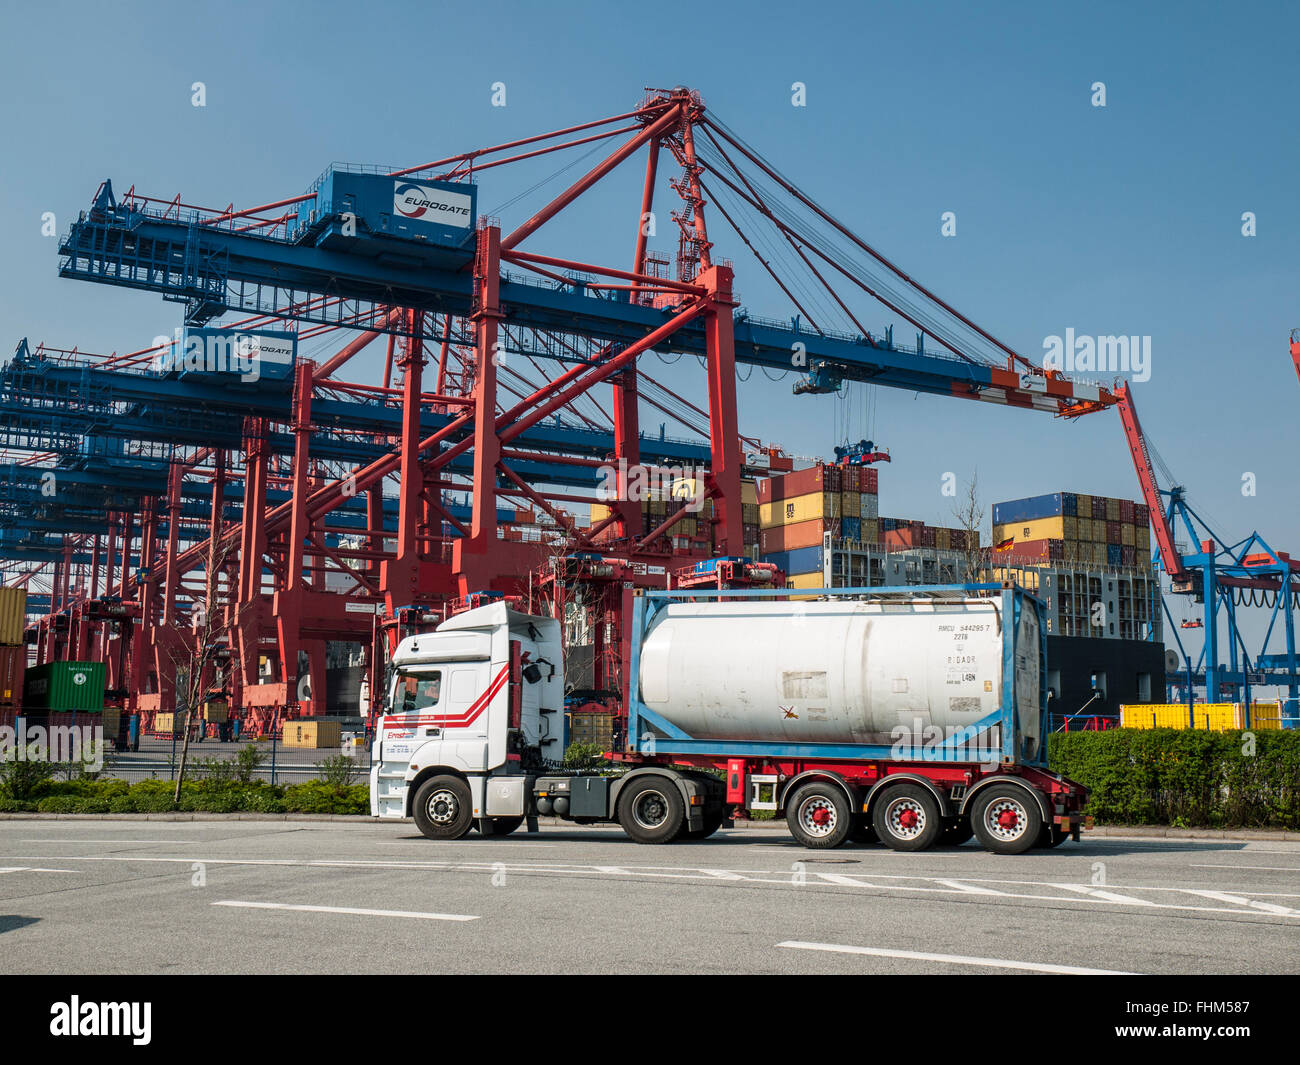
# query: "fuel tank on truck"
x,y
837,671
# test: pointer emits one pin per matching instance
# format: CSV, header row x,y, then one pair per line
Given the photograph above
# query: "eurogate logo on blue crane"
x,y
427,202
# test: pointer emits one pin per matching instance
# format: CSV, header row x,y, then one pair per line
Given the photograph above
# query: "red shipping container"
x,y
796,483
1126,511
1141,514
1098,508
904,537
1113,535
1128,556
1032,551
871,480
792,537
852,478
928,536
13,664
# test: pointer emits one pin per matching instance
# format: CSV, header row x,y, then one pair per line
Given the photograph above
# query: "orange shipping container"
x,y
792,537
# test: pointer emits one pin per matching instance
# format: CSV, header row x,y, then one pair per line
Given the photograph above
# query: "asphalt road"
x,y
325,897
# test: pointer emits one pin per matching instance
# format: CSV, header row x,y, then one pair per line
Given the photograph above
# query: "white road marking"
x,y
32,869
1109,896
1261,868
182,842
1237,900
721,874
955,959
415,914
971,889
841,878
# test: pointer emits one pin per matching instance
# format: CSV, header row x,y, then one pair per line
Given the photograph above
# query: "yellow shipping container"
x,y
1213,716
1266,715
1085,530
13,616
811,507
943,539
1112,510
1143,537
599,512
1084,506
805,580
749,493
216,711
1059,528
1127,535
307,733
850,504
164,721
870,533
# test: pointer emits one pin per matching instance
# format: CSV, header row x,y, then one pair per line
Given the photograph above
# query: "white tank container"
x,y
832,671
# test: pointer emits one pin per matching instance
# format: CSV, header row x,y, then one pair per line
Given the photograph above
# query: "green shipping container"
x,y
13,616
61,687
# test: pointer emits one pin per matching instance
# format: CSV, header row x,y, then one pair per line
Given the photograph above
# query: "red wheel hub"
x,y
1008,819
907,819
821,816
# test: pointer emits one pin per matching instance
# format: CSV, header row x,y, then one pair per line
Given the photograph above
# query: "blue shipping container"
x,y
851,528
1030,509
801,560
1114,554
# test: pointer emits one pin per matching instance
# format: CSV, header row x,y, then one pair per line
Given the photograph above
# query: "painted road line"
x,y
1109,896
955,959
971,889
843,878
1238,900
412,914
1259,868
32,869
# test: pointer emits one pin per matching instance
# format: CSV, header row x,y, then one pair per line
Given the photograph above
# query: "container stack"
x,y
903,532
1072,527
13,652
796,510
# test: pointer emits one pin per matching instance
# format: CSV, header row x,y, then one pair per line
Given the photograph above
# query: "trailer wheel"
x,y
651,810
819,815
712,822
907,818
957,834
1006,819
443,808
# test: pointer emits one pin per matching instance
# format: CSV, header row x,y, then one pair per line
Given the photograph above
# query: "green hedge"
x,y
207,796
1184,778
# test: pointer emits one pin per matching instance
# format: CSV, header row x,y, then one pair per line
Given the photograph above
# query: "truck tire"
x,y
650,810
956,834
443,808
1006,819
819,815
907,818
712,822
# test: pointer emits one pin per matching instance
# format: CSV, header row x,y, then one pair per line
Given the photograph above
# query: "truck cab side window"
x,y
419,690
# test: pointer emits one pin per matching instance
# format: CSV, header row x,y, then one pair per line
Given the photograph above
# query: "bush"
x,y
20,778
1185,778
584,756
339,771
248,761
320,797
152,796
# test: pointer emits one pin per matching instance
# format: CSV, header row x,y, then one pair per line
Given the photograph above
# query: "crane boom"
x,y
1137,445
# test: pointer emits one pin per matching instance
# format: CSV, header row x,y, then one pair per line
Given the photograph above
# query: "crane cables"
x,y
807,228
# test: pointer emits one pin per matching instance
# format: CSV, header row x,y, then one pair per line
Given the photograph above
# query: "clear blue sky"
x,y
1124,219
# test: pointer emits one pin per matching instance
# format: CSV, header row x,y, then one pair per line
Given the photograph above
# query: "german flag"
x,y
1005,545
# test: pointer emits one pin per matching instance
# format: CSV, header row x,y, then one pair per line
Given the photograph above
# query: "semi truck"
x,y
908,716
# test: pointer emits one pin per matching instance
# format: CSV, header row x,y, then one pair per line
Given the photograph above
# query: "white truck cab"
x,y
471,709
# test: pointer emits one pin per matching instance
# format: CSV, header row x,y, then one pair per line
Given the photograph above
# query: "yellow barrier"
x,y
1217,717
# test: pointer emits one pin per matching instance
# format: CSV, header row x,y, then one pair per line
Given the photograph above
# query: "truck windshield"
x,y
415,691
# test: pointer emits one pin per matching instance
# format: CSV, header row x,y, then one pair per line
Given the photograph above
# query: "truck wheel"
x,y
443,808
957,834
907,818
712,822
819,815
651,810
1006,819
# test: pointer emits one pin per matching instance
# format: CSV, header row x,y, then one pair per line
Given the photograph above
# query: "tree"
x,y
968,512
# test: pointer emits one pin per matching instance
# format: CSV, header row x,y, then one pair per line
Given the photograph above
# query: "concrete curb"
x,y
1101,832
